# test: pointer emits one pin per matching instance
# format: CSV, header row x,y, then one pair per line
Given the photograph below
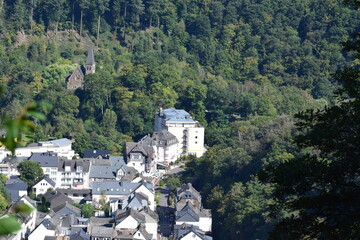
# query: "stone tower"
x,y
90,61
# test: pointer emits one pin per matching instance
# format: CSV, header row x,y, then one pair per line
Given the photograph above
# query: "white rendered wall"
x,y
203,223
190,236
152,229
195,139
40,233
144,190
128,222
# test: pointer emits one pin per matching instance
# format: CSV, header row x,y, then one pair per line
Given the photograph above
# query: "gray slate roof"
x,y
95,153
81,235
57,143
117,161
187,191
67,208
84,163
107,172
56,199
121,215
114,187
46,159
61,142
132,147
184,229
188,214
73,190
177,115
136,201
161,138
101,222
14,185
101,232
90,60
46,178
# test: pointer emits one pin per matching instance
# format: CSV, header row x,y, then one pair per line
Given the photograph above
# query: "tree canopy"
x,y
30,172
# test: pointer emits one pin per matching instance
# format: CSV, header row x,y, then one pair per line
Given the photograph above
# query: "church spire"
x,y
90,61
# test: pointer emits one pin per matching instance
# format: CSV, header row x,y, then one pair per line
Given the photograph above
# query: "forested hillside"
x,y
240,67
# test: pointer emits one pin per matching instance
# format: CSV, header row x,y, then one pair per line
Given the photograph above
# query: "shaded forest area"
x,y
240,67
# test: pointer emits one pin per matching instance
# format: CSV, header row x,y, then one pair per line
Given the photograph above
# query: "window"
x,y
195,137
195,142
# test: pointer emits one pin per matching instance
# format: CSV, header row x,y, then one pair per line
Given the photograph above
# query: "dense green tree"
x,y
87,210
321,202
30,172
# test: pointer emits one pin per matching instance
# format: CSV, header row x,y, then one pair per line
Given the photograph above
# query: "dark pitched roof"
x,y
74,190
114,187
139,147
14,185
187,191
121,215
95,153
130,174
81,235
97,231
48,224
46,178
50,238
67,208
136,201
56,199
101,222
176,115
46,159
73,164
107,172
188,214
150,213
164,138
184,229
117,161
90,60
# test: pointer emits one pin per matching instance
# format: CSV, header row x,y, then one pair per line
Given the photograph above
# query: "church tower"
x,y
90,61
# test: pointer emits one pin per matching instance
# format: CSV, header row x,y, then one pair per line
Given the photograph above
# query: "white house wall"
x,y
128,222
40,233
205,224
191,236
149,194
152,229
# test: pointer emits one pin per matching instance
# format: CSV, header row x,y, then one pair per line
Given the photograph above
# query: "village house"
x,y
27,220
189,232
187,193
140,157
16,188
165,146
188,132
43,185
60,146
74,173
189,209
48,162
190,214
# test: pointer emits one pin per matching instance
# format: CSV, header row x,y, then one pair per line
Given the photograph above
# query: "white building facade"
x,y
189,132
60,146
